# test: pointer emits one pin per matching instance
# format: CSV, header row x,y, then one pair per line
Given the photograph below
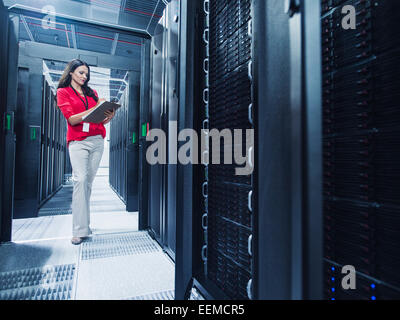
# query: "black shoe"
x,y
76,240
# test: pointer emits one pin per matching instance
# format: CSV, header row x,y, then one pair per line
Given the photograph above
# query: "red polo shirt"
x,y
70,104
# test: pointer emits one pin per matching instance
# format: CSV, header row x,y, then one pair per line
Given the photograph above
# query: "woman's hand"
x,y
109,115
77,118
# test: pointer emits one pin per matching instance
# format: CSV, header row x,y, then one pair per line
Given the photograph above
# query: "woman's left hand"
x,y
109,115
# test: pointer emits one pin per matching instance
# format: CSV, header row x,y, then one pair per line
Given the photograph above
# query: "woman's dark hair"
x,y
65,80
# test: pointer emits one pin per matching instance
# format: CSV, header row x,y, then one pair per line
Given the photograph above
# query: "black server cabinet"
x,y
140,137
10,27
124,149
227,220
28,124
155,171
172,41
53,146
361,120
40,141
118,139
132,150
214,219
252,65
164,116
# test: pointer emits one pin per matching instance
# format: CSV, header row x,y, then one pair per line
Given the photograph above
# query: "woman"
x,y
85,141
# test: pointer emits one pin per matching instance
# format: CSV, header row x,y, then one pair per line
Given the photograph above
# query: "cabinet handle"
x,y
206,62
206,34
249,287
204,221
205,95
251,113
204,253
206,6
205,184
250,70
249,201
249,241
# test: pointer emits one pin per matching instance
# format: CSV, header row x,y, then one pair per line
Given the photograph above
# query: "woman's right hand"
x,y
109,115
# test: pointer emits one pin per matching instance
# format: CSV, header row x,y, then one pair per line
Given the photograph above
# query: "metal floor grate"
x,y
106,246
54,212
45,283
164,295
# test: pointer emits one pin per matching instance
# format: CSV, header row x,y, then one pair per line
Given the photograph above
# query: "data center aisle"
x,y
117,262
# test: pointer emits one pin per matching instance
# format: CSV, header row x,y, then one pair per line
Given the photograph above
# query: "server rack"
x,y
361,150
214,222
53,147
118,144
124,147
40,140
164,116
144,170
256,236
227,97
155,172
10,44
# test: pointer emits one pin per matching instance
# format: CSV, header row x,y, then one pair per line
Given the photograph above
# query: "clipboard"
x,y
97,114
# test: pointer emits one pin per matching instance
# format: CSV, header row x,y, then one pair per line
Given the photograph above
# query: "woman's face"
x,y
80,75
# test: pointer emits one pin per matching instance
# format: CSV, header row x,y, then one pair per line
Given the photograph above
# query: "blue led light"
x,y
372,286
333,299
333,268
333,289
333,279
373,298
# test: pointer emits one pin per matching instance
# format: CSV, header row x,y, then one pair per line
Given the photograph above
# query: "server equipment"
x,y
40,131
164,115
53,146
9,64
124,146
227,221
361,120
118,144
254,236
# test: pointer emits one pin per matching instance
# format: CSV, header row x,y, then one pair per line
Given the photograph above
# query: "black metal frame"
x,y
186,262
144,35
312,142
35,51
3,107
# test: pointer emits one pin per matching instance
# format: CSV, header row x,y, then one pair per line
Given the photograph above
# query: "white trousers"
x,y
85,159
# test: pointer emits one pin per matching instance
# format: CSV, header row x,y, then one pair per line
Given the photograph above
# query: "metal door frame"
x,y
30,50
